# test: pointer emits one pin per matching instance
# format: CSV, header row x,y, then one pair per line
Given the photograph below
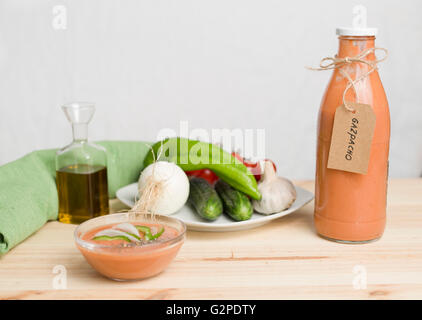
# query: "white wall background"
x,y
218,64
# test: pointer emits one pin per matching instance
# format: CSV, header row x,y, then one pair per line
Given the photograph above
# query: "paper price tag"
x,y
351,139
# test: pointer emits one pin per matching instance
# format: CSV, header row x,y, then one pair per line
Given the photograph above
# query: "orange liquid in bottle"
x,y
351,207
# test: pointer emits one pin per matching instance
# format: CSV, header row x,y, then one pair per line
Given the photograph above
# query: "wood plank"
x,y
284,259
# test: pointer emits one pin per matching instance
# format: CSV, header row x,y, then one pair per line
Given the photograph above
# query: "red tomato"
x,y
206,174
254,167
236,155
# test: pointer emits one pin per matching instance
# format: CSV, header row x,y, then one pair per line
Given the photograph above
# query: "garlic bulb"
x,y
278,193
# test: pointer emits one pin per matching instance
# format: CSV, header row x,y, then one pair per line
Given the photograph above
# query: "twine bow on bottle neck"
x,y
329,63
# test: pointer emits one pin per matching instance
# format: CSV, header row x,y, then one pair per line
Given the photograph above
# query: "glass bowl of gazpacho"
x,y
125,246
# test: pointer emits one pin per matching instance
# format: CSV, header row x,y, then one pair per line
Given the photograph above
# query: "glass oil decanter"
x,y
81,170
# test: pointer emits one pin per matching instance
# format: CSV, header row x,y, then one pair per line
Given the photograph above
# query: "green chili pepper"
x,y
144,229
196,155
148,234
158,234
133,235
112,238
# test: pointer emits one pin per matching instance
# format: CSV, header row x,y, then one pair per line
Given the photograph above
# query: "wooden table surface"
x,y
284,259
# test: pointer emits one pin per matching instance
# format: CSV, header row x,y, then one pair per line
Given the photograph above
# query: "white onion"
x,y
174,186
127,227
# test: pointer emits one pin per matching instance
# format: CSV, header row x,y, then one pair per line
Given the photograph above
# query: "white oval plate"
x,y
223,223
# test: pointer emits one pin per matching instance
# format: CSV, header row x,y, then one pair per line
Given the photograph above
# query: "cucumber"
x,y
236,204
204,199
112,238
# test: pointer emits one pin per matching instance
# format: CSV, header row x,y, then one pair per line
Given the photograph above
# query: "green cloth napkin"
x,y
28,194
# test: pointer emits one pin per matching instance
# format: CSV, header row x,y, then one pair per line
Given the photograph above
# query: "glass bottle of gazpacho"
x,y
350,207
